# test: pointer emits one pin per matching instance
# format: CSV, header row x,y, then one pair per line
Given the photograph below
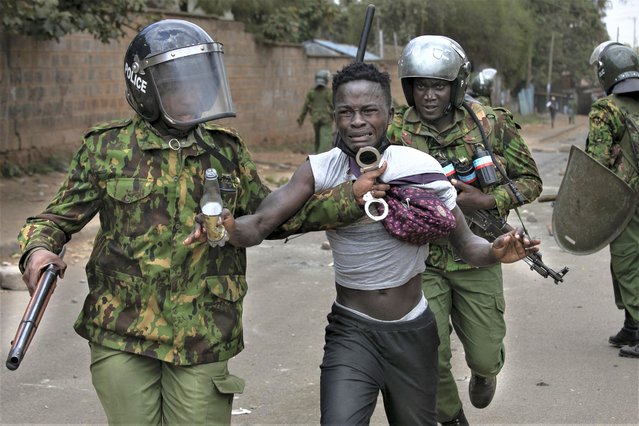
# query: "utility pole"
x,y
552,46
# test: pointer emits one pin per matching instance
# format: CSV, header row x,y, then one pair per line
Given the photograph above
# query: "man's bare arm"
x,y
477,251
278,206
281,204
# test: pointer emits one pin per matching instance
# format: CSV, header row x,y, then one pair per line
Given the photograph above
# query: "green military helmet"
x,y
617,67
321,77
436,57
481,83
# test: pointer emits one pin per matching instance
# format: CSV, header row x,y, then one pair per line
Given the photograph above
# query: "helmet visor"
x,y
192,89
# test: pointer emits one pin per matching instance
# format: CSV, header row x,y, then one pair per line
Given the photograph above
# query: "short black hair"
x,y
363,71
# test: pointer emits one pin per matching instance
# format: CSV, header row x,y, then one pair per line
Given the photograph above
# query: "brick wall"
x,y
51,92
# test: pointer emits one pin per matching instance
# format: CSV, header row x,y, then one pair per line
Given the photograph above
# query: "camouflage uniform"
x,y
472,298
148,293
609,142
319,103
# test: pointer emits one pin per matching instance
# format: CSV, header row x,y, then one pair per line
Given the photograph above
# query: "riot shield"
x,y
592,207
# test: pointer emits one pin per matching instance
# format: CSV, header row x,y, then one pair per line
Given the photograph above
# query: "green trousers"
x,y
323,136
138,390
471,303
624,267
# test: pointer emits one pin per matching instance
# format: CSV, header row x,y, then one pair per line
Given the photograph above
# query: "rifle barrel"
x,y
32,316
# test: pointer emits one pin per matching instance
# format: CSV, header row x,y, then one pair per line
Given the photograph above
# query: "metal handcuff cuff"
x,y
369,158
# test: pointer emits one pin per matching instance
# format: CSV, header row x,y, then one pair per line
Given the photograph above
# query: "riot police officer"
x,y
319,104
481,85
434,74
613,140
162,317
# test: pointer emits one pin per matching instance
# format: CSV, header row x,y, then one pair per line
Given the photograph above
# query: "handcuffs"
x,y
368,158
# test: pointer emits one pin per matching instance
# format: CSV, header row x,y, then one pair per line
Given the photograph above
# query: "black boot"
x,y
628,335
481,390
459,420
629,351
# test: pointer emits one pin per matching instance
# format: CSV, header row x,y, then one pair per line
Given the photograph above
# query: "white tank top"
x,y
365,256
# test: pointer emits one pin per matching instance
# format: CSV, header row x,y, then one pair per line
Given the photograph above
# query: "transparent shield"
x,y
192,89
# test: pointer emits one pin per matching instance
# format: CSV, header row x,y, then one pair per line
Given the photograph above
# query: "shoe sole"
x,y
624,355
621,344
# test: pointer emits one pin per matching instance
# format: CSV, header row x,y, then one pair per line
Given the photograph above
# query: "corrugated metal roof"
x,y
328,48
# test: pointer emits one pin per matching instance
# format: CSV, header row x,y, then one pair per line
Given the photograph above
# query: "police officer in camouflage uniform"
x,y
481,86
434,72
613,140
319,104
162,317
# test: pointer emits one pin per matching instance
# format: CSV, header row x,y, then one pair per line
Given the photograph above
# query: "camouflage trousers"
x,y
624,267
135,389
470,302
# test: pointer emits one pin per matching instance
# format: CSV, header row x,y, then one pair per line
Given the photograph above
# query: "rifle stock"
x,y
494,227
32,315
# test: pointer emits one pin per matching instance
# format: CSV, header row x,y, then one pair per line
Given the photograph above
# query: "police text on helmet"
x,y
135,79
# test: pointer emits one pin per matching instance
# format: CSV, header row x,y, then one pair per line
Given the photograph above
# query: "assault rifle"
x,y
33,315
494,227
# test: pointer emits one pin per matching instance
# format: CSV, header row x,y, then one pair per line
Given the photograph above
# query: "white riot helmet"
x,y
436,57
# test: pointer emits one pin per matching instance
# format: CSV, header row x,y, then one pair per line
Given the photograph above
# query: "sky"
x,y
624,15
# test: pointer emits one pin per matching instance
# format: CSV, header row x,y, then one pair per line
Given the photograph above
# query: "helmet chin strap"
x,y
448,109
164,129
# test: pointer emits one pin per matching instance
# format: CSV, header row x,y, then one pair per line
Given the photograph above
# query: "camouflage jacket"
x,y
148,293
458,142
319,104
614,126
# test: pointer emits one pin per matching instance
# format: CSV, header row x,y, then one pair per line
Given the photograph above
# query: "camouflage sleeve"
x,y
394,131
517,161
605,127
74,205
328,209
251,189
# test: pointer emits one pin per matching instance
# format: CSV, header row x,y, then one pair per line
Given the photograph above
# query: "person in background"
x,y
613,140
163,315
434,73
552,106
481,86
319,104
572,108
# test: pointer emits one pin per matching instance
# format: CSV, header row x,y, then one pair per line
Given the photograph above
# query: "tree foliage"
x,y
52,19
573,28
513,36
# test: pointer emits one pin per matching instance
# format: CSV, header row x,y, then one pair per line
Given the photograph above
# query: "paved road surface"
x,y
559,368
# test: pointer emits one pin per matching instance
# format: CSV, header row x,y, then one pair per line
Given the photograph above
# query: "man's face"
x,y
432,97
361,113
180,102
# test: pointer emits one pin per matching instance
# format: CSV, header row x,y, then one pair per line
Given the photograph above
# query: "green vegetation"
x,y
514,36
